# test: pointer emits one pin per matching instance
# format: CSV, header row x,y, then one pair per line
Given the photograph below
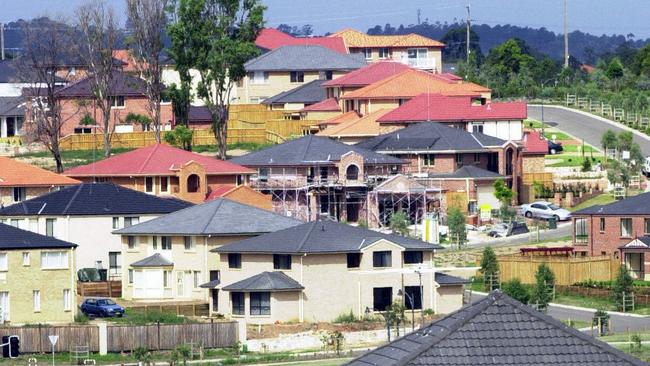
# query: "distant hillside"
x,y
585,47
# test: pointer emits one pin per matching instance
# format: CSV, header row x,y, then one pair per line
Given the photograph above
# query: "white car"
x,y
545,210
645,169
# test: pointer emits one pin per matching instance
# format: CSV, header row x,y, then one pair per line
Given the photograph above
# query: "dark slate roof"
x,y
444,279
211,284
94,199
199,114
497,330
156,260
14,238
12,106
304,58
310,150
637,205
320,237
217,217
308,93
122,84
266,281
467,171
431,136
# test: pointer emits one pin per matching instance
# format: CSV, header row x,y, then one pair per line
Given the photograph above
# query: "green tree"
x,y
641,63
623,286
615,71
456,223
399,222
143,120
544,285
220,39
489,265
504,195
509,57
181,136
515,289
609,140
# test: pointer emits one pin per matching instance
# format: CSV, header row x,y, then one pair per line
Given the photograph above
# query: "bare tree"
x,y
148,19
99,34
43,50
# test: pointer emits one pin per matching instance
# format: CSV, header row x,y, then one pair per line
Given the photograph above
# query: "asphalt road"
x,y
581,126
563,230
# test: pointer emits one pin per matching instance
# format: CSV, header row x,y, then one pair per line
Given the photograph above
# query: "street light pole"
x,y
412,302
419,272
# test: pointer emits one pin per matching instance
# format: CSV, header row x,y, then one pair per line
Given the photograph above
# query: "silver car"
x,y
545,210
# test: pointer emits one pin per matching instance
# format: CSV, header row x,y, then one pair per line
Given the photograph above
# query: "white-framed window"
x,y
4,265
66,300
25,258
130,240
50,227
164,184
130,276
367,53
188,241
384,53
19,194
148,184
116,222
197,279
429,159
259,77
36,298
131,220
5,310
116,102
297,77
166,242
54,260
167,279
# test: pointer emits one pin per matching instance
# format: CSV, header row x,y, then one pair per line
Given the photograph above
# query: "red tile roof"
x,y
156,159
271,38
220,191
347,116
534,143
327,105
14,173
368,74
437,107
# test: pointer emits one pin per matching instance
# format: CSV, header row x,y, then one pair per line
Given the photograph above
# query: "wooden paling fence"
x,y
100,289
34,339
545,178
567,270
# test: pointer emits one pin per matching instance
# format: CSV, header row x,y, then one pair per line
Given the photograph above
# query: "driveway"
x,y
563,230
583,125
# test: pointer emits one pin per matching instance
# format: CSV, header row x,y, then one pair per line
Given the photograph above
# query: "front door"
x,y
634,262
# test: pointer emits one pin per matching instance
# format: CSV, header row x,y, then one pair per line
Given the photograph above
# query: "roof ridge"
x,y
304,239
214,213
74,196
155,148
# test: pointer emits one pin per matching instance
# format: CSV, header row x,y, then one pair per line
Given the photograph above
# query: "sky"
x,y
591,16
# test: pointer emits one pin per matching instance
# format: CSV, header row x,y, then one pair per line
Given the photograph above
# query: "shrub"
x,y
515,289
429,312
399,223
81,318
586,165
544,285
346,318
622,287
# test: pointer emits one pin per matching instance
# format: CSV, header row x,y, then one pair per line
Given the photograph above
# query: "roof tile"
x,y
354,38
17,174
270,39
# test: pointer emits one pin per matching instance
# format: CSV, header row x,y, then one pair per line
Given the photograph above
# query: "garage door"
x,y
148,284
485,195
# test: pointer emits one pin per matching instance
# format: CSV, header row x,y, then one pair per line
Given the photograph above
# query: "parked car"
x,y
554,147
545,210
645,169
101,308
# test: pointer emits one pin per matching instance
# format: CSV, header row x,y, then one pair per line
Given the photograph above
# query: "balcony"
x,y
426,63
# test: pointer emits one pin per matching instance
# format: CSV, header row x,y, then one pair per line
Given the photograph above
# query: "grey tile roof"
x,y
266,281
217,217
467,171
122,84
431,136
444,279
156,260
637,205
308,93
211,284
496,330
94,199
12,106
14,238
320,237
308,151
304,58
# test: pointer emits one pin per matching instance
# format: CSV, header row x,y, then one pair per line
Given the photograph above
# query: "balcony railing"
x,y
582,238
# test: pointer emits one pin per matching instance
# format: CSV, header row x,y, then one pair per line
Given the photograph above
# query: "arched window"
x,y
352,172
193,183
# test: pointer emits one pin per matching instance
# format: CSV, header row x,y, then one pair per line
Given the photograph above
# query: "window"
x,y
131,241
148,184
459,159
82,130
354,260
324,173
66,300
116,102
167,279
646,226
626,227
188,242
114,263
215,275
472,207
130,221
193,183
116,222
281,261
413,257
19,194
413,297
240,180
166,242
326,75
602,225
154,242
263,174
352,172
384,52
477,157
367,53
260,303
25,258
130,276
54,260
382,297
259,77
381,259
36,296
428,160
581,231
234,260
477,127
238,303
164,184
197,279
49,227
4,265
297,76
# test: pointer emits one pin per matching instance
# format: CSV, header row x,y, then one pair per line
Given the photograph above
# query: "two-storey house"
x,y
319,270
37,278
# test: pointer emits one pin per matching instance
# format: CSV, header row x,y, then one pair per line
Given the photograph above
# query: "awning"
x,y
211,284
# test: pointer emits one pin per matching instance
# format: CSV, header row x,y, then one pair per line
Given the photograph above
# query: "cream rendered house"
x,y
319,270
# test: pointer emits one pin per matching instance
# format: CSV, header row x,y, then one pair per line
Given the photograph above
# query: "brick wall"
x,y
533,164
607,241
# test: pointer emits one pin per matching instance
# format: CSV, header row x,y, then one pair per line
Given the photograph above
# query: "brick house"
x,y
163,170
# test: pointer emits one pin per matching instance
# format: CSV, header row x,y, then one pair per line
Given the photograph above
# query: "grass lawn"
x,y
642,354
601,199
560,136
624,337
577,148
578,324
336,362
532,123
150,317
562,160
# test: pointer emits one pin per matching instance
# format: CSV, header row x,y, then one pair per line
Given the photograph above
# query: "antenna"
x,y
419,13
469,25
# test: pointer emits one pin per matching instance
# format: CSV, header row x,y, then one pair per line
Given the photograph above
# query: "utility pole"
x,y
566,35
2,41
469,25
419,14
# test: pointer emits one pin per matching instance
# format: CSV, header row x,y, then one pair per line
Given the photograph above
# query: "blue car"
x,y
101,308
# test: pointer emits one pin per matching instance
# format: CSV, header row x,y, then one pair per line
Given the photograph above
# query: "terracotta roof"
x,y
441,108
220,191
156,159
327,105
354,38
347,116
369,74
410,83
16,174
271,38
534,143
364,126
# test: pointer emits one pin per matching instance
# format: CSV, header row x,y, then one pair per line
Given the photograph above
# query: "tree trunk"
x,y
156,123
220,127
56,153
107,131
